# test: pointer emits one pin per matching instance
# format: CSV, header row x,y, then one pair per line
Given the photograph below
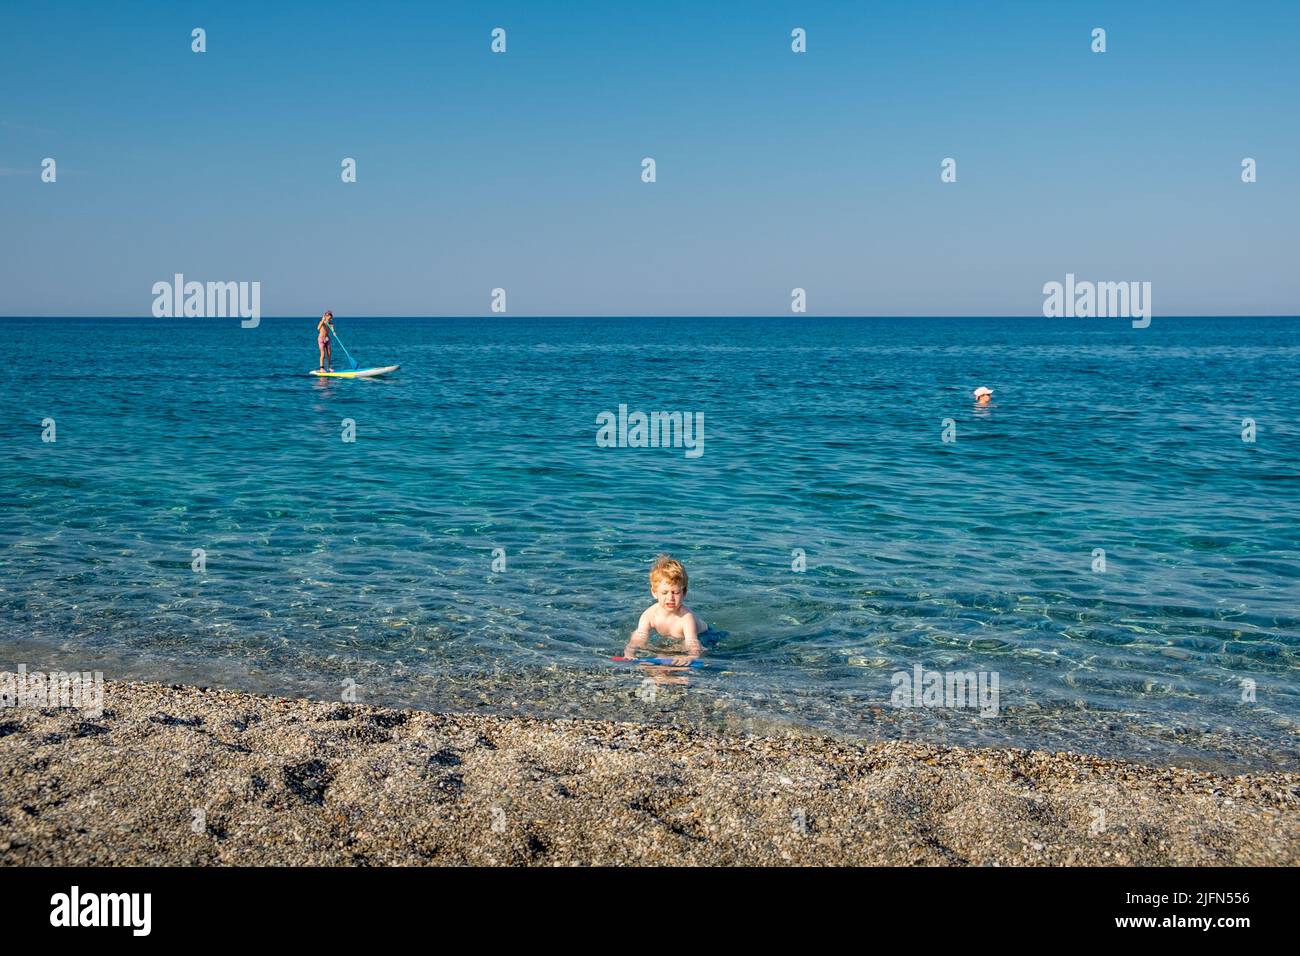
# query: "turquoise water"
x,y
372,561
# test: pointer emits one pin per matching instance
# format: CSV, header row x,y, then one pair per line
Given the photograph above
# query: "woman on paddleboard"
x,y
323,329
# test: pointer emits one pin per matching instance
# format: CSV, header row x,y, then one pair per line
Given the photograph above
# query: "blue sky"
x,y
775,170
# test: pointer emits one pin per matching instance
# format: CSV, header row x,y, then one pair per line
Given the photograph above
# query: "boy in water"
x,y
668,616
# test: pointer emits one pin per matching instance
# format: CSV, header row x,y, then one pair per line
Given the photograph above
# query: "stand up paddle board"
x,y
359,373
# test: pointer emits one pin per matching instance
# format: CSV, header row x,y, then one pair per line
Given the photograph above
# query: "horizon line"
x,y
801,316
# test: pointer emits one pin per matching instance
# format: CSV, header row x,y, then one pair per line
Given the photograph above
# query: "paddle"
x,y
344,348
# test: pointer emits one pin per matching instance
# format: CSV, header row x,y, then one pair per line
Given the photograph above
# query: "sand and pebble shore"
x,y
193,776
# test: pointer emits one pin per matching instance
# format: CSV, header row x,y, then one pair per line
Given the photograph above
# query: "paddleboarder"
x,y
323,329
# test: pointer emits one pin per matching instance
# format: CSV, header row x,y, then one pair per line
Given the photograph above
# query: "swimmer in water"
x,y
983,395
668,615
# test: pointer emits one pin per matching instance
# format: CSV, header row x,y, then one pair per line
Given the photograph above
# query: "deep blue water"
x,y
371,561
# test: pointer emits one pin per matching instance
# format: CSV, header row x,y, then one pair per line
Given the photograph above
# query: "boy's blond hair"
x,y
667,568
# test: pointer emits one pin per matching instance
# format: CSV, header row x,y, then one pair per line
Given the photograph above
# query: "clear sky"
x,y
775,169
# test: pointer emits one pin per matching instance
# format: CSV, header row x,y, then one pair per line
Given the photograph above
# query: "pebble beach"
x,y
182,775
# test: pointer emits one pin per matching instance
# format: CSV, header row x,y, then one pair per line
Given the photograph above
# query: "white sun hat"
x,y
983,391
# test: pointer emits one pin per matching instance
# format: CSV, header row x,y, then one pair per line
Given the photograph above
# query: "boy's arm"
x,y
640,635
693,647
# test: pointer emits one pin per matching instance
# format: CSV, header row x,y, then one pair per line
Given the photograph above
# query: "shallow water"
x,y
372,561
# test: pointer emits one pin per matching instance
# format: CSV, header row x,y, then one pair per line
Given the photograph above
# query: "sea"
x,y
1104,559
